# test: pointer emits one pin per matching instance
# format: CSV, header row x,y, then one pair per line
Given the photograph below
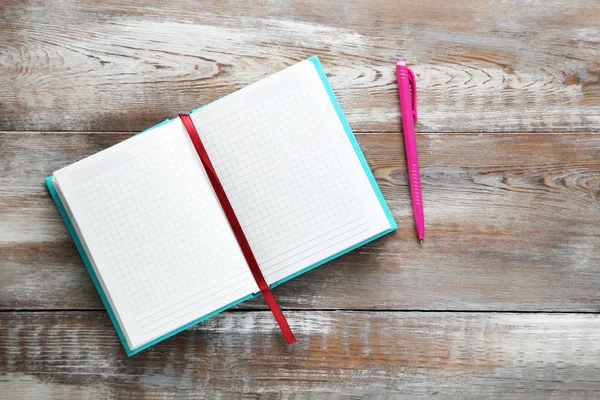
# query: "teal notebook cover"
x,y
359,154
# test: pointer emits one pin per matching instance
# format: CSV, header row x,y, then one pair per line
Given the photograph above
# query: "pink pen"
x,y
408,109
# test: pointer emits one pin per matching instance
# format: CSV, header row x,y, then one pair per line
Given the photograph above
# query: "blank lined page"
x,y
290,171
155,233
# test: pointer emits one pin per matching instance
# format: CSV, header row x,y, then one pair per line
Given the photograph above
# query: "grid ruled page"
x,y
155,232
156,235
290,172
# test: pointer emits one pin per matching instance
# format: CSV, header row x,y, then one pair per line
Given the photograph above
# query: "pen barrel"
x,y
414,181
414,178
410,147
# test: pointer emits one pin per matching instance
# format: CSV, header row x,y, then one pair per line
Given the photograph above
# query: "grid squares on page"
x,y
266,156
140,211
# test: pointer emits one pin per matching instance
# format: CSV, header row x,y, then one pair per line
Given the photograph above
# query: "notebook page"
x,y
155,233
290,171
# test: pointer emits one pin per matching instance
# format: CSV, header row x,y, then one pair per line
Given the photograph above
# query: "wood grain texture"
x,y
513,223
509,96
339,354
481,66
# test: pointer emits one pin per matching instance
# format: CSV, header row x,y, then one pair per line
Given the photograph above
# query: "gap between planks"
x,y
360,310
355,132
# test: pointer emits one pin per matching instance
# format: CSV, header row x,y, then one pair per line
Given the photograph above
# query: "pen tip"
x,y
421,241
400,62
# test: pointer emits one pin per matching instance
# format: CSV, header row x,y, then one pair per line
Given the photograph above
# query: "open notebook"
x,y
151,231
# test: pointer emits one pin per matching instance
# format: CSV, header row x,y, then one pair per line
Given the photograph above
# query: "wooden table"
x,y
503,300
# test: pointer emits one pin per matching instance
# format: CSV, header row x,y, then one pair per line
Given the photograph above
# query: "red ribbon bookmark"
x,y
237,228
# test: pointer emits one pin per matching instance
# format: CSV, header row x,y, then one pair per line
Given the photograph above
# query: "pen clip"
x,y
413,87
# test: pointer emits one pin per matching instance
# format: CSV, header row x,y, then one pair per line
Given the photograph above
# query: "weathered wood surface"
x,y
512,215
374,355
482,66
513,223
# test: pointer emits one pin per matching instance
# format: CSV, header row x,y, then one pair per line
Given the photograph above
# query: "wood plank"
x,y
374,355
513,223
483,66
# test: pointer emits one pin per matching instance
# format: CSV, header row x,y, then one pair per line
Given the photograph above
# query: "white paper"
x,y
154,230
